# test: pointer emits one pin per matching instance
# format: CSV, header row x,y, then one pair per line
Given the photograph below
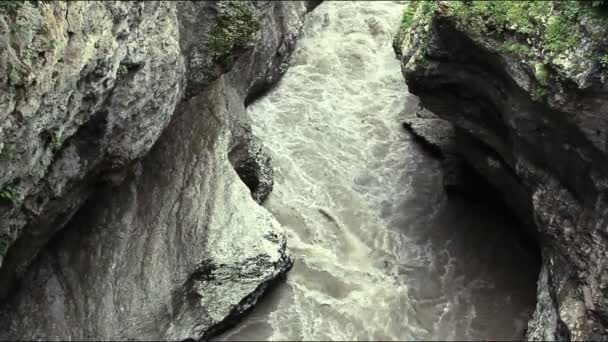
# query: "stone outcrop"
x,y
525,86
441,139
123,134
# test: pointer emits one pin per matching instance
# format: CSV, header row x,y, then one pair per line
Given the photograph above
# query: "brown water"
x,y
380,252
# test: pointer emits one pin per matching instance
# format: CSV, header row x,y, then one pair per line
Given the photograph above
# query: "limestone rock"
x,y
537,133
121,215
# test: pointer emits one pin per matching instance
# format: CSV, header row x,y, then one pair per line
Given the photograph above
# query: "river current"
x,y
380,251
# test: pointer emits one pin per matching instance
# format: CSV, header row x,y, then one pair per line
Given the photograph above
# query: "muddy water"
x,y
381,253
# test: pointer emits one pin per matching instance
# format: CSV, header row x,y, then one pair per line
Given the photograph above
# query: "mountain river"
x,y
380,251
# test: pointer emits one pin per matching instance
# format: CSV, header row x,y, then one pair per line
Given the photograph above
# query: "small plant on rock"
x,y
7,152
408,15
56,140
541,73
604,60
9,193
515,47
53,44
122,70
232,31
538,94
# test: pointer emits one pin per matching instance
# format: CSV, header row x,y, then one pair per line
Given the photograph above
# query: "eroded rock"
x,y
534,131
130,222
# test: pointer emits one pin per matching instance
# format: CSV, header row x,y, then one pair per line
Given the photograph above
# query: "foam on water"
x,y
380,252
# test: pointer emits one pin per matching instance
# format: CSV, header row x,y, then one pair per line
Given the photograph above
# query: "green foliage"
x,y
232,31
416,16
604,60
549,28
560,31
7,152
557,28
538,93
122,70
541,72
53,44
408,15
515,47
56,140
497,16
9,192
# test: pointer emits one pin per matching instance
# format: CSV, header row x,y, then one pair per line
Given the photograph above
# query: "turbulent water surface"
x,y
380,252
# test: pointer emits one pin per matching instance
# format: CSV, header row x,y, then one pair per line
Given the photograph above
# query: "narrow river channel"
x,y
381,252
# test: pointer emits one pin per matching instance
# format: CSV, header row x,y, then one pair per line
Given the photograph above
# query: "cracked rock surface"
x,y
122,216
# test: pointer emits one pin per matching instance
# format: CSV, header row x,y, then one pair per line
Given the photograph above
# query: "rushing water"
x,y
380,252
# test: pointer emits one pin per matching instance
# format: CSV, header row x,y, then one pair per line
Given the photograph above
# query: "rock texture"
x,y
121,214
441,139
532,118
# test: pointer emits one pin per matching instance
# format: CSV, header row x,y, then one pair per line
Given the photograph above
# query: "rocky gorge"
x,y
520,90
165,164
122,139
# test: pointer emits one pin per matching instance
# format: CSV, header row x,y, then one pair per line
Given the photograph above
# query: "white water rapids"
x,y
380,252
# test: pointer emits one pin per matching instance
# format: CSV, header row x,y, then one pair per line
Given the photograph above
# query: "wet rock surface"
x,y
436,134
439,137
538,148
253,165
121,215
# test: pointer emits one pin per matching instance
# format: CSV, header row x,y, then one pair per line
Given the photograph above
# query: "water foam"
x,y
361,203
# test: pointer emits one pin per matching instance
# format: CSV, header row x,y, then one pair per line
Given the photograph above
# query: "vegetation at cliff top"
x,y
551,29
555,23
233,30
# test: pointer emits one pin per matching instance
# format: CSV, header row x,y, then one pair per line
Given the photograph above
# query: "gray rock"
x,y
131,222
434,133
545,155
91,91
253,165
439,137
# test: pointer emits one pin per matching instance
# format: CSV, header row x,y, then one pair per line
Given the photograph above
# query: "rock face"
x,y
441,139
530,114
123,134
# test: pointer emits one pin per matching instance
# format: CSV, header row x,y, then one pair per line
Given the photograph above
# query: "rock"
x,y
252,163
434,133
90,93
439,137
128,220
536,133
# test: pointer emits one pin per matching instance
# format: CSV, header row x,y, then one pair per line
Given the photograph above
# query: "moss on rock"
x,y
9,193
9,7
567,38
233,30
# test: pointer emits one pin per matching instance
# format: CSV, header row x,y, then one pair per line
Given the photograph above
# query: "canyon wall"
x,y
130,175
521,94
